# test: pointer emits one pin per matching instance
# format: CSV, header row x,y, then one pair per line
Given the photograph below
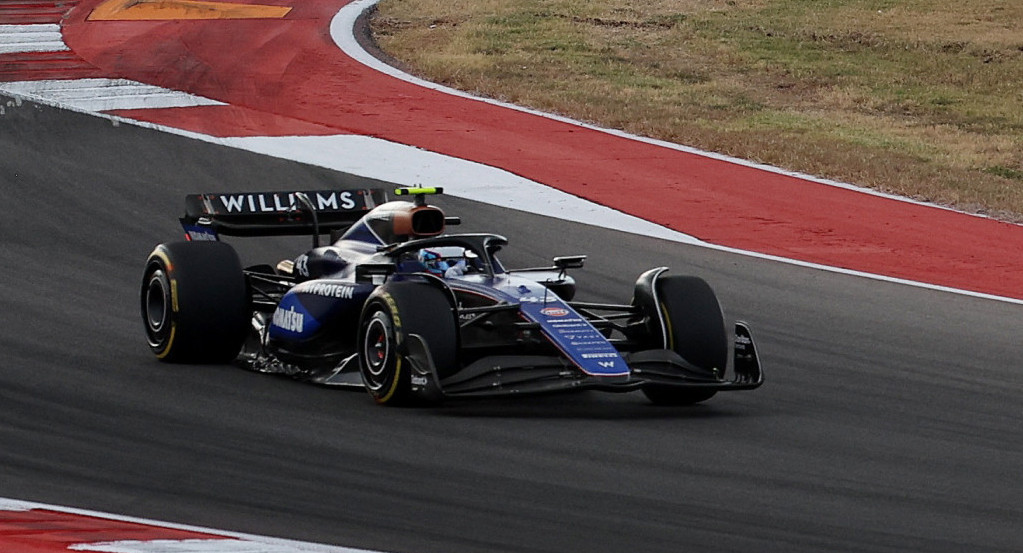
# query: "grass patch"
x,y
1005,172
916,97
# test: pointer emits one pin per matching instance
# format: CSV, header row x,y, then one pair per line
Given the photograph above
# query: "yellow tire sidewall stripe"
x,y
161,253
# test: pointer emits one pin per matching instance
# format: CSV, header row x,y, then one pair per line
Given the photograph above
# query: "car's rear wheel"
x,y
392,316
694,327
194,302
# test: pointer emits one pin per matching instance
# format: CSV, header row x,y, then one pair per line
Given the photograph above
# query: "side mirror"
x,y
569,262
375,273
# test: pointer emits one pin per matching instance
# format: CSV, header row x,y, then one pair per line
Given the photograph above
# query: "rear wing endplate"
x,y
275,213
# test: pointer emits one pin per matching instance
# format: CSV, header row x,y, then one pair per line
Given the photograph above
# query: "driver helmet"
x,y
443,261
433,261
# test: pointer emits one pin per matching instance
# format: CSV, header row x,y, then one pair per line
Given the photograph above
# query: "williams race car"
x,y
414,315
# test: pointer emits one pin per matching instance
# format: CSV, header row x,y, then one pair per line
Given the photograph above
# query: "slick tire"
x,y
195,302
695,327
393,313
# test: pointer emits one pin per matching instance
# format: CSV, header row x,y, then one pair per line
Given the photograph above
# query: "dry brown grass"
x,y
918,97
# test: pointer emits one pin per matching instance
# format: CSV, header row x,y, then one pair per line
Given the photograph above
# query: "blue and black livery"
x,y
395,305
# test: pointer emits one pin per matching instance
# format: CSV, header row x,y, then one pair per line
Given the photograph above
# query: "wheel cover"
x,y
377,351
157,308
156,303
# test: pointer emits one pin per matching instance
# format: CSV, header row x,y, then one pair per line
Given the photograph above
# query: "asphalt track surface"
x,y
890,421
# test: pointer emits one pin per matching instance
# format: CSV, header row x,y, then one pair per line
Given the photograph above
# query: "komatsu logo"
x,y
271,203
289,319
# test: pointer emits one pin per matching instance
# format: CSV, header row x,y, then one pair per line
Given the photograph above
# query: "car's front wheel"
x,y
693,326
396,314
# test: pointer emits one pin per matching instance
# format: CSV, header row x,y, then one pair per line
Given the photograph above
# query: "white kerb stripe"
x,y
96,95
36,37
228,542
188,546
15,505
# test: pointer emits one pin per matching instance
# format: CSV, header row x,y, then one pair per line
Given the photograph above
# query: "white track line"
x,y
41,37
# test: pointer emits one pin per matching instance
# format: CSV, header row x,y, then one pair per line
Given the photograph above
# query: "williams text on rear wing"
x,y
275,213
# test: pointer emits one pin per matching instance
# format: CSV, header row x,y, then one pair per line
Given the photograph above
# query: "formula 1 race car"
x,y
414,315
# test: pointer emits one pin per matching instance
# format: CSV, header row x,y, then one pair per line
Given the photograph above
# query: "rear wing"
x,y
275,213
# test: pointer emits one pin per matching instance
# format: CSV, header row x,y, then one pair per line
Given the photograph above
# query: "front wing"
x,y
509,375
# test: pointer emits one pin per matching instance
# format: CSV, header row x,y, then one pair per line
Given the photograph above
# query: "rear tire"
x,y
195,302
695,329
395,312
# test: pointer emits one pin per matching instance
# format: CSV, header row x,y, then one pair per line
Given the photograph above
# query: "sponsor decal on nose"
x,y
554,311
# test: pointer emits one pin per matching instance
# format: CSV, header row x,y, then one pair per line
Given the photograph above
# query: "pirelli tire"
x,y
195,302
392,315
694,327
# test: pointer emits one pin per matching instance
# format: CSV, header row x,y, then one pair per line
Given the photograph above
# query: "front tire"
x,y
194,302
694,327
394,313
